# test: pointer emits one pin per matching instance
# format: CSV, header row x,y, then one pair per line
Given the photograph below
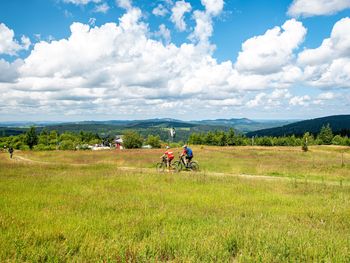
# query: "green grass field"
x,y
112,206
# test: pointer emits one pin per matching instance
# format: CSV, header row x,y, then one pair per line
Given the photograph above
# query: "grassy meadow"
x,y
112,206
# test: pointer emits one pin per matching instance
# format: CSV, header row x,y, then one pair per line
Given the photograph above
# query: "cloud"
x,y
160,10
9,71
8,44
213,7
178,12
307,8
268,53
120,61
204,22
257,101
274,99
280,94
126,4
103,8
326,96
226,102
81,2
300,100
126,69
328,66
164,33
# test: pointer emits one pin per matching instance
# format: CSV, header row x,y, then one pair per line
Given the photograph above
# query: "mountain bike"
x,y
161,166
180,165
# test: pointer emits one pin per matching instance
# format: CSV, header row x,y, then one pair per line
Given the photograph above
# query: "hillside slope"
x,y
340,124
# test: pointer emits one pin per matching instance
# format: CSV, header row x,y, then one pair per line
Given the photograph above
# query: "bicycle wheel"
x,y
160,167
178,166
194,166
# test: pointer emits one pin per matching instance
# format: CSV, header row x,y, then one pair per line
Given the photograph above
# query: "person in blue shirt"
x,y
188,154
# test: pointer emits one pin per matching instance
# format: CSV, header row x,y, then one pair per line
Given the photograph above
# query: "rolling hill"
x,y
340,124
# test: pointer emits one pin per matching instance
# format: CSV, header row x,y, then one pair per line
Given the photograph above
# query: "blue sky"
x,y
122,59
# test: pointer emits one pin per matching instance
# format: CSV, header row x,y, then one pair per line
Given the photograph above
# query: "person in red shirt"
x,y
169,155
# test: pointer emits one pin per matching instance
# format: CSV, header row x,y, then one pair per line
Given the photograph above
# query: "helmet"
x,y
185,146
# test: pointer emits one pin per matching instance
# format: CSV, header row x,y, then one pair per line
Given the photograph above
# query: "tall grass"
x,y
97,212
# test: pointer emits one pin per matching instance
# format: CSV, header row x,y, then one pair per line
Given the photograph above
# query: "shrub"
x,y
154,141
132,139
67,145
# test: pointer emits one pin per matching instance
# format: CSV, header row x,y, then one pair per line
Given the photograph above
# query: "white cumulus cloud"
x,y
213,7
204,22
268,53
329,65
160,10
300,100
103,8
308,8
8,44
126,4
178,12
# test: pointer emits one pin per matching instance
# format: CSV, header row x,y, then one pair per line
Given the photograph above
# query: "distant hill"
x,y
245,125
151,126
340,124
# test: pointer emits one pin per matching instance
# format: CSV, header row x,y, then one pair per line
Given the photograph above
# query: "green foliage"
x,y
31,138
44,137
67,144
326,135
231,137
196,138
305,142
43,147
154,141
132,139
264,141
338,140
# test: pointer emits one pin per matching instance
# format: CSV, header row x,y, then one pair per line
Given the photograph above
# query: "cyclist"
x,y
188,153
169,155
11,152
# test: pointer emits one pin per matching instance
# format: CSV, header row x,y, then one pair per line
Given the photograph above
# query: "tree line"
x,y
230,138
52,140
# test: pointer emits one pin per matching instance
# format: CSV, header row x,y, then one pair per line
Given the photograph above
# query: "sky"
x,y
74,60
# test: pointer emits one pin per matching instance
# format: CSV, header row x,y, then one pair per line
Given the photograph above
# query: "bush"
x,y
132,139
338,140
154,141
24,147
67,145
43,147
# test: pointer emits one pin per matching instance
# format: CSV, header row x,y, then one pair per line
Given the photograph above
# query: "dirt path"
x,y
205,173
21,158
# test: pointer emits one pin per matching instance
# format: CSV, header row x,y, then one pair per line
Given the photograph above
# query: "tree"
x,y
196,138
154,141
338,140
44,137
132,139
31,138
326,134
231,137
305,142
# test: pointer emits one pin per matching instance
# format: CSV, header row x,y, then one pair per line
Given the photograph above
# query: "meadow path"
x,y
203,173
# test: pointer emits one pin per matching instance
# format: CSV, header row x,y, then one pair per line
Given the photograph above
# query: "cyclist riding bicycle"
x,y
169,155
188,154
